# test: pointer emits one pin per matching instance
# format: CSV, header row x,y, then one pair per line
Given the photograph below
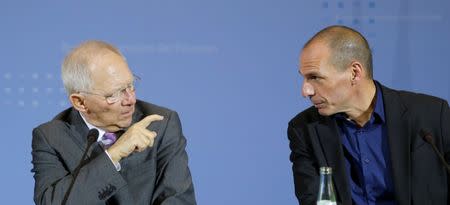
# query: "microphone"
x,y
429,138
91,138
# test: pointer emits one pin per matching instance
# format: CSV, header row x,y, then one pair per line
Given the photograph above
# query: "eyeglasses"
x,y
119,95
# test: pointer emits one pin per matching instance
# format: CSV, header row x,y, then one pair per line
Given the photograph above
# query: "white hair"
x,y
75,70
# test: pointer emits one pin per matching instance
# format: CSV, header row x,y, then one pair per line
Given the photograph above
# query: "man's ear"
x,y
78,102
357,71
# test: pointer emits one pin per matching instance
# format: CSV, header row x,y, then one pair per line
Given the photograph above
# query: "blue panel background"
x,y
228,67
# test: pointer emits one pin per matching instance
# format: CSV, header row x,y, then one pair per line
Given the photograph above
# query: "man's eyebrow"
x,y
118,89
310,73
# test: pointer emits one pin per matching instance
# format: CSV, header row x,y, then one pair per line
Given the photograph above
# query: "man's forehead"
x,y
113,79
315,50
312,57
310,63
111,73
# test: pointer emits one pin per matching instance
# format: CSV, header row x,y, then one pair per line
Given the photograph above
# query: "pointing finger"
x,y
149,119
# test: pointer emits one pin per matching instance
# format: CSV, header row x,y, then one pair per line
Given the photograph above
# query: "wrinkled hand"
x,y
136,138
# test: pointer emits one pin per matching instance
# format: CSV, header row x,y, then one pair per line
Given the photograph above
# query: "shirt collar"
x,y
379,104
378,109
90,126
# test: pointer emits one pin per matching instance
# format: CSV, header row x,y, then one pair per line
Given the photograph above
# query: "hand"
x,y
136,138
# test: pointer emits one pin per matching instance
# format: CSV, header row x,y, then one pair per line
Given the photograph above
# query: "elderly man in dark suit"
x,y
139,155
373,137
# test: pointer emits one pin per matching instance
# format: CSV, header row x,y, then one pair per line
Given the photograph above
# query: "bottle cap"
x,y
326,170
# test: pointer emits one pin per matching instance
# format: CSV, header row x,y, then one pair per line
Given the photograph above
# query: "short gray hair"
x,y
346,44
75,70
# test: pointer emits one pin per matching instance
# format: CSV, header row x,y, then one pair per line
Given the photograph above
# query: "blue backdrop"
x,y
228,67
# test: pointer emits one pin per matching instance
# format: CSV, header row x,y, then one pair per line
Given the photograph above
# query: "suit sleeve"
x,y
306,179
174,183
96,181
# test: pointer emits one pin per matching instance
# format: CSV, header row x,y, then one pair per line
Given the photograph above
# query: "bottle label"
x,y
326,202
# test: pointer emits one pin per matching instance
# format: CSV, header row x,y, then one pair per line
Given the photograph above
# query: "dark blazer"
x,y
158,175
418,175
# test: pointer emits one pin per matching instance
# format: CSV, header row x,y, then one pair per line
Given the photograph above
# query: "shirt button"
x,y
366,160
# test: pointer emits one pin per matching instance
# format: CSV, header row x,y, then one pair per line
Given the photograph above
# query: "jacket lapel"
x,y
77,128
330,140
75,135
398,129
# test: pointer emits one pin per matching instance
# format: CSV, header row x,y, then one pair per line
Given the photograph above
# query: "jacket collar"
x,y
398,128
79,129
399,132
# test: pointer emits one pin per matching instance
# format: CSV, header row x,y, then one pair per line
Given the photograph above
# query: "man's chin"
x,y
125,124
324,112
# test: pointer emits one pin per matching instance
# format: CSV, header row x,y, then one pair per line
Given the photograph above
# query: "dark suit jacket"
x,y
158,175
418,175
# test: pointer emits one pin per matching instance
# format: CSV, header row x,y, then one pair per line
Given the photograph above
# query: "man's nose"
x,y
128,97
307,89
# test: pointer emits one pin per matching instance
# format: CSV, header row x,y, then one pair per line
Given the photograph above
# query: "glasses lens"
x,y
127,91
112,99
120,95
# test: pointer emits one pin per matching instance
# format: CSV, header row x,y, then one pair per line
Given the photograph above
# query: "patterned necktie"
x,y
108,139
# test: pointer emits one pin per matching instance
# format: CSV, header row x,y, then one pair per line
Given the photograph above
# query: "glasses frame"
x,y
120,93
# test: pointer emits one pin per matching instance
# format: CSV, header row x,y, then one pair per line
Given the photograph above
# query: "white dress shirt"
x,y
100,135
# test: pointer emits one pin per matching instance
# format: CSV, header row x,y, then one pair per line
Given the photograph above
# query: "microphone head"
x,y
92,135
426,136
